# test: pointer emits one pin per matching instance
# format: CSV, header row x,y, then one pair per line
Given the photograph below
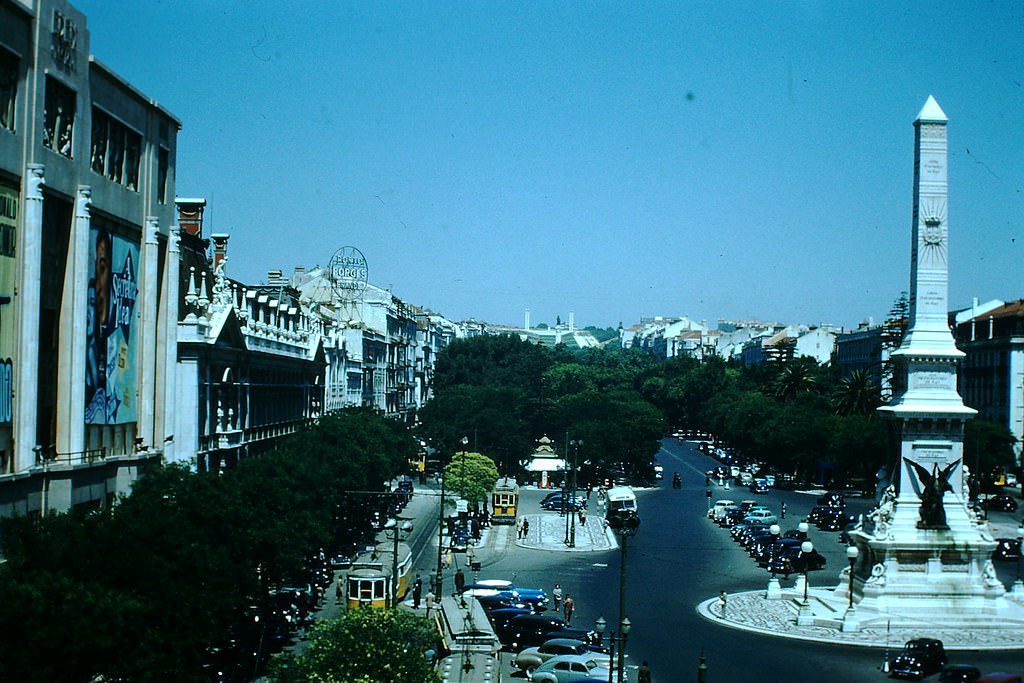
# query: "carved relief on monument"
x,y
935,131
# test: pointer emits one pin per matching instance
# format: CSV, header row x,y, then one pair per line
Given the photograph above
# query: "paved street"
x,y
677,561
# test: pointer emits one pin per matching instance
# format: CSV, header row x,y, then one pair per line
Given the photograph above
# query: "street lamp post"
x,y
575,445
851,554
850,622
624,525
624,625
1018,586
805,616
774,587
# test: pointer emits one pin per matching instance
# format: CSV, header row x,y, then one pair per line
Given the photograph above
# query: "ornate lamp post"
x,y
774,588
850,622
624,525
575,446
624,626
805,616
1018,586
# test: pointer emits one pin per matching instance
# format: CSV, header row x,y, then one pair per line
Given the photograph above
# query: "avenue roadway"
x,y
680,558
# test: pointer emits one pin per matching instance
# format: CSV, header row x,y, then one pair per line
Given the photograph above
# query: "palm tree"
x,y
795,377
858,394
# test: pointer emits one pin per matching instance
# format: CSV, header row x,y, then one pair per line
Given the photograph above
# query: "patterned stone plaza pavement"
x,y
750,611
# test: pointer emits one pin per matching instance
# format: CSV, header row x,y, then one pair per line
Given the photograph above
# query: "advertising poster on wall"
x,y
110,341
9,203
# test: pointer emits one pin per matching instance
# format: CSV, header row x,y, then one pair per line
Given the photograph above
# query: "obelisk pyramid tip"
x,y
931,111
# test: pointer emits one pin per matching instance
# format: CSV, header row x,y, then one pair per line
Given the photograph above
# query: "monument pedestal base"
x,y
940,576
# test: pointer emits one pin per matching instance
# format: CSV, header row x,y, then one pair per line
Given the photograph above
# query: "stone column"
x,y
26,368
74,322
167,343
147,353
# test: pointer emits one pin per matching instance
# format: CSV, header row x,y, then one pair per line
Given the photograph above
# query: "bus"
x,y
504,501
368,582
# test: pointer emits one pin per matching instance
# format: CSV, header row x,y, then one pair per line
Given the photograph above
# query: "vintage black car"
x,y
791,559
1001,502
920,657
1007,549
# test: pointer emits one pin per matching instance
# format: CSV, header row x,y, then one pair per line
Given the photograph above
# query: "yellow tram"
x,y
504,501
368,581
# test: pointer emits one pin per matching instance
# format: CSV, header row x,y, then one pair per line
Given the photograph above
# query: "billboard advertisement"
x,y
9,216
110,373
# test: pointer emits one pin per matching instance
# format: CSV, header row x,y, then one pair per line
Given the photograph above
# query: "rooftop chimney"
x,y
190,214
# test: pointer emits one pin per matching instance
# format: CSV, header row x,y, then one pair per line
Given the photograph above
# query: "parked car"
x,y
555,502
506,585
530,632
492,598
833,521
500,600
1002,502
527,630
920,657
820,512
532,657
719,508
959,673
1007,549
831,499
791,559
567,668
761,517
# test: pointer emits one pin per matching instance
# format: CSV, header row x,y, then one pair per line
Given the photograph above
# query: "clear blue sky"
x,y
614,159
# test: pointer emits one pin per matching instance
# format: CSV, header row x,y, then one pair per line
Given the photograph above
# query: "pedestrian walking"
x,y
417,591
526,528
556,595
568,606
447,559
783,510
519,527
339,591
460,581
643,674
583,516
430,601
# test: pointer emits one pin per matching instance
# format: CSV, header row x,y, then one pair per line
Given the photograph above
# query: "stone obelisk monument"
x,y
924,557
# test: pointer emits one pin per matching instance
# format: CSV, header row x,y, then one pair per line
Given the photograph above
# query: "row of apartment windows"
x,y
116,149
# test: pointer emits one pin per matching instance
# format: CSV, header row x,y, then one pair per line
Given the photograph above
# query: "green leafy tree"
x,y
471,475
988,449
363,646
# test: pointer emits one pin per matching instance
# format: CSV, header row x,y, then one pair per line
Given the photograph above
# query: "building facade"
x,y
991,377
250,363
86,210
